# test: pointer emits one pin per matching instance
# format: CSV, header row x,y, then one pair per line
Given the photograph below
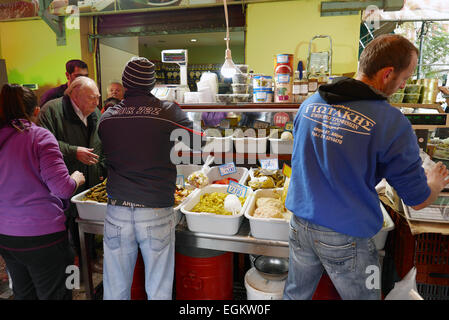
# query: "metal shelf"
x,y
241,107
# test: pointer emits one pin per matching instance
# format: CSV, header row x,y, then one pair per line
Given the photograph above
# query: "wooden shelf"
x,y
419,105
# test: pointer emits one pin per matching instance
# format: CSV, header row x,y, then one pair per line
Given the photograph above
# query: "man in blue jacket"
x,y
347,137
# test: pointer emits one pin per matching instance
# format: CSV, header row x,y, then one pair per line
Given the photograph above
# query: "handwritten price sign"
x,y
237,189
227,168
269,164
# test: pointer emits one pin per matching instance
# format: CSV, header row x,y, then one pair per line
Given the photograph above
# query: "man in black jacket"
x,y
135,135
74,69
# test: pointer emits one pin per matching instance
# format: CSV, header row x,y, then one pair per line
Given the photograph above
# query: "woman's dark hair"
x,y
16,102
387,50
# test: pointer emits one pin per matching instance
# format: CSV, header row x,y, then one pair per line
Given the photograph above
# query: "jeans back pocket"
x,y
111,234
160,235
337,257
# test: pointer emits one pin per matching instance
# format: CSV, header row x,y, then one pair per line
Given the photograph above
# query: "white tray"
x,y
279,146
89,210
210,222
218,144
250,145
266,228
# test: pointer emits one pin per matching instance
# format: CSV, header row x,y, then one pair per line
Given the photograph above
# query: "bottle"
x,y
303,87
322,77
312,81
296,90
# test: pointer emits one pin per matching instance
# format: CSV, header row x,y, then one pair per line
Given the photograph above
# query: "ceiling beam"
x,y
338,8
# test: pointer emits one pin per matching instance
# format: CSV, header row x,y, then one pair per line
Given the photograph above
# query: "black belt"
x,y
124,203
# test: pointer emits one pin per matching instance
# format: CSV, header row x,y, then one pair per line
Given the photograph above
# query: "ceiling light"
x,y
193,40
228,69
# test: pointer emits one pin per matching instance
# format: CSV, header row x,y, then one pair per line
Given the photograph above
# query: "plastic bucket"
x,y
203,274
262,82
259,288
262,95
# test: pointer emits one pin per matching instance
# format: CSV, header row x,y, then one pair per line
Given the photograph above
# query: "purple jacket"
x,y
34,182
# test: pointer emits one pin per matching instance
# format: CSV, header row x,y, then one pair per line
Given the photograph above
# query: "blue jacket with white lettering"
x,y
347,137
136,138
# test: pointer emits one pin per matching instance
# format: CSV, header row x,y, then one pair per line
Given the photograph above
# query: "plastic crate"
x,y
433,292
428,252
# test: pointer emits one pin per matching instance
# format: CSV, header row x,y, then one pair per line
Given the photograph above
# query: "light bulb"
x,y
228,69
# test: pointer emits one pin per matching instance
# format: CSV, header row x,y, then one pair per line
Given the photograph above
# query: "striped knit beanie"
x,y
139,74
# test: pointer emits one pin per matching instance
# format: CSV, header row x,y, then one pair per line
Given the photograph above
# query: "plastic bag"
x,y
406,288
199,178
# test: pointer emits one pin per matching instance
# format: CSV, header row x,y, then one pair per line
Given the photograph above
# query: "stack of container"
x,y
283,73
240,85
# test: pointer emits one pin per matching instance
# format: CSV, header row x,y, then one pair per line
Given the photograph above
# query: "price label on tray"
x,y
236,188
269,164
227,168
286,170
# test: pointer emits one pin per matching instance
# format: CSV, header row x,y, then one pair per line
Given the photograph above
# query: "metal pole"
x,y
421,40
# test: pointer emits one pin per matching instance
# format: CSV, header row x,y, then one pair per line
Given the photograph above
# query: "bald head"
x,y
83,91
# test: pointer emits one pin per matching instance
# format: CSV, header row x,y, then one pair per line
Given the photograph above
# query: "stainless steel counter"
x,y
242,242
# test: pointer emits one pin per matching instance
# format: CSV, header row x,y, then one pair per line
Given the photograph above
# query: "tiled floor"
x,y
7,294
239,291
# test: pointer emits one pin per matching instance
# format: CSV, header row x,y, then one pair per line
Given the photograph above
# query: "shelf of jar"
x,y
419,105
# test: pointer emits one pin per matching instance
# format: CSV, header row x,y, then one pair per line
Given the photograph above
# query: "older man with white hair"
x,y
73,121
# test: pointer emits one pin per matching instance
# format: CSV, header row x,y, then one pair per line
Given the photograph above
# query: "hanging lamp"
x,y
228,69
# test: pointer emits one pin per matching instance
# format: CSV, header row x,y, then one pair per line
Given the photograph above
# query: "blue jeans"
x,y
125,230
349,262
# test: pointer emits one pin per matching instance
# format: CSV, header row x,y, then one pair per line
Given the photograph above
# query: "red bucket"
x,y
204,278
325,289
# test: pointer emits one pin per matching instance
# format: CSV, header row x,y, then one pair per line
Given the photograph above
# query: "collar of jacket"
x,y
70,114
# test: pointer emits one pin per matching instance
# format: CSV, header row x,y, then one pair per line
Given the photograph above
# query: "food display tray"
x,y
210,222
266,228
89,210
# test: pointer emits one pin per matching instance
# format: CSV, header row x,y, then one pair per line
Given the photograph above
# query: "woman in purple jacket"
x,y
35,188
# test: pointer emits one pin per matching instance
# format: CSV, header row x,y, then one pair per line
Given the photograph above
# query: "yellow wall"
x,y
31,54
288,27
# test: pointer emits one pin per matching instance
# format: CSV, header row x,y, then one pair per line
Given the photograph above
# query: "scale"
x,y
173,92
423,122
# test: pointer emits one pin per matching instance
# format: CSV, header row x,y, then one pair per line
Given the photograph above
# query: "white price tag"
x,y
238,189
227,168
180,180
269,164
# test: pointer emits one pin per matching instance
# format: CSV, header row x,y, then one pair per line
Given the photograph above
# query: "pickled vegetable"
x,y
214,203
97,193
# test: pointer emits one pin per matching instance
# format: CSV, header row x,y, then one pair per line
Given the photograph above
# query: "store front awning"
x,y
413,10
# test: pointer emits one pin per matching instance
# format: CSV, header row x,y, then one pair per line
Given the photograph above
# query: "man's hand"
x,y
436,179
437,176
86,156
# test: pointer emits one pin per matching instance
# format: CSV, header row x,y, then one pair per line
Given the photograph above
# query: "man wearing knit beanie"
x,y
139,74
141,184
